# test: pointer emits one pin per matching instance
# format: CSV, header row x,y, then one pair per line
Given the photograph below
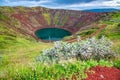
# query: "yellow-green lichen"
x,y
47,17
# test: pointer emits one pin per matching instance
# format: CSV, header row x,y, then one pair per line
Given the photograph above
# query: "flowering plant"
x,y
91,48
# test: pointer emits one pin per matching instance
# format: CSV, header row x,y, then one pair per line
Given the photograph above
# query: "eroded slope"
x,y
28,20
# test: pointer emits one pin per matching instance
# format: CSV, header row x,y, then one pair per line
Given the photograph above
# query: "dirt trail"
x,y
94,34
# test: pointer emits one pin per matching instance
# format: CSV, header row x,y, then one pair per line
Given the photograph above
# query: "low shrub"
x,y
90,48
117,63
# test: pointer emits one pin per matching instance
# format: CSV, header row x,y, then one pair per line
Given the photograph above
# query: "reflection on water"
x,y
52,34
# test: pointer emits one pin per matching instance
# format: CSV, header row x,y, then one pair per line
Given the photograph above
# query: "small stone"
x,y
101,76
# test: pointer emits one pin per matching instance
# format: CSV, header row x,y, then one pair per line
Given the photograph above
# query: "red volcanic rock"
x,y
28,20
103,73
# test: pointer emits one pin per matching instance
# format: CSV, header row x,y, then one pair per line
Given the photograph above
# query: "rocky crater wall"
x,y
29,20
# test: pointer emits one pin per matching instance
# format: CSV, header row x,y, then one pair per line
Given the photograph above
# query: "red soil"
x,y
103,73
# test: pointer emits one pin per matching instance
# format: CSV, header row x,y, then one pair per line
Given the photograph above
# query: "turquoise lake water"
x,y
52,34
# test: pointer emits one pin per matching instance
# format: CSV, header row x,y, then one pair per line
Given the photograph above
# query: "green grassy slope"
x,y
112,30
18,50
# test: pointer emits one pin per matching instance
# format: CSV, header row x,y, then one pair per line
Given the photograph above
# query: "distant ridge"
x,y
101,10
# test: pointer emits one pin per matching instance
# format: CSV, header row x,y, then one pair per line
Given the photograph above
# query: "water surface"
x,y
52,34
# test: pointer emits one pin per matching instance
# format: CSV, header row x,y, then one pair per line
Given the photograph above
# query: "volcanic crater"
x,y
30,20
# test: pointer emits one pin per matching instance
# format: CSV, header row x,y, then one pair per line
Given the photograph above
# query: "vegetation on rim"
x,y
18,51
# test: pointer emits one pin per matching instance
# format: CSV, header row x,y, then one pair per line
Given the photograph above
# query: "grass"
x,y
79,25
112,31
60,19
18,52
86,32
23,52
82,33
38,71
63,21
3,17
6,9
56,18
20,55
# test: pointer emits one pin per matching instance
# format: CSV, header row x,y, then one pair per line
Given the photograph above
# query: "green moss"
x,y
117,63
86,32
63,21
115,14
59,19
7,9
56,18
3,17
115,18
47,17
23,9
111,31
82,33
79,24
8,36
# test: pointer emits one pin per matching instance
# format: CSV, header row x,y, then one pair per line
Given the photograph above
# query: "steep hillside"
x,y
28,20
109,27
23,22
